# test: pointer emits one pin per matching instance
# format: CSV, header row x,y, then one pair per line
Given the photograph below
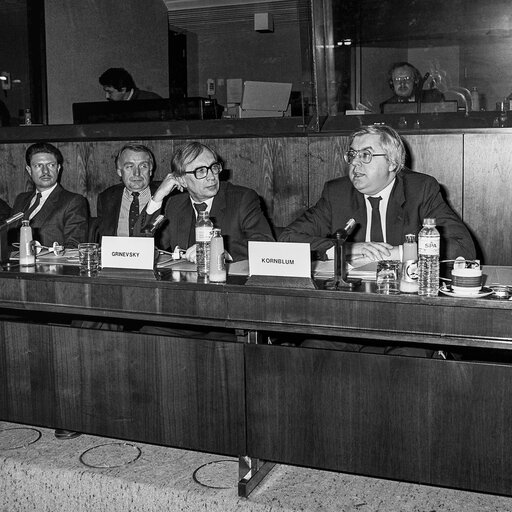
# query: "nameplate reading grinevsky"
x,y
282,259
127,252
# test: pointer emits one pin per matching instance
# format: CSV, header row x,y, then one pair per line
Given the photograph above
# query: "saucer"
x,y
484,292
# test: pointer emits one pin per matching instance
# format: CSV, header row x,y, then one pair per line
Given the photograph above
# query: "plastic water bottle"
x,y
217,261
27,254
428,259
204,228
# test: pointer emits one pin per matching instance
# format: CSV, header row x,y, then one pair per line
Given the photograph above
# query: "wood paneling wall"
x,y
289,173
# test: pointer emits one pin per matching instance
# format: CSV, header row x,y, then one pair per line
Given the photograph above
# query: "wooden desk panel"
x,y
439,320
421,420
158,389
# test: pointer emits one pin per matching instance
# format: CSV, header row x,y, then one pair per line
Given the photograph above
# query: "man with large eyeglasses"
x,y
236,210
386,200
55,214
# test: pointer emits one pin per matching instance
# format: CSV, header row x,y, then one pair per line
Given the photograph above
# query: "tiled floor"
x,y
46,474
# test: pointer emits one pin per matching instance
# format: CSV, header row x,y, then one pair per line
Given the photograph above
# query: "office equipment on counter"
x,y
265,99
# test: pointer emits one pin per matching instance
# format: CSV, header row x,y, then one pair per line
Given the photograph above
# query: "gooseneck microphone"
x,y
11,220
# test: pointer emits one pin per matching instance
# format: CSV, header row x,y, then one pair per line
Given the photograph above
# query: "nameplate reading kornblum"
x,y
282,259
127,252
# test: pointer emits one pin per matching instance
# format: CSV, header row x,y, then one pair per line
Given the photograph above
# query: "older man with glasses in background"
x,y
236,210
406,82
387,201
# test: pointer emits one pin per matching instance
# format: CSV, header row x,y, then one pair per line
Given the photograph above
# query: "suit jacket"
x,y
426,95
235,210
414,197
139,94
63,218
109,208
5,210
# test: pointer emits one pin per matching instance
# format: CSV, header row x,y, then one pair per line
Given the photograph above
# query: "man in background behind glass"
x,y
119,85
407,84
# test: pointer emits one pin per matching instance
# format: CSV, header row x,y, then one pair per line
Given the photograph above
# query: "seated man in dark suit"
x,y
120,205
402,198
407,84
236,210
55,214
376,159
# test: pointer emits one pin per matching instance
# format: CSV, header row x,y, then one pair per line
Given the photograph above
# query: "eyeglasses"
x,y
365,155
399,79
201,172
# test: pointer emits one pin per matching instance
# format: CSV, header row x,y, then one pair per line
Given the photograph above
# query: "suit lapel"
x,y
115,210
358,209
219,207
48,207
395,214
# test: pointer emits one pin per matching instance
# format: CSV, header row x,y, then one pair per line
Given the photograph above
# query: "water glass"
x,y
388,277
89,257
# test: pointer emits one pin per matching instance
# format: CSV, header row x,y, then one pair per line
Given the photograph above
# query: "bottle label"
x,y
429,246
410,271
203,234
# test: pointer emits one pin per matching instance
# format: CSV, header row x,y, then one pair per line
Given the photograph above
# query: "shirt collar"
x,y
385,192
208,202
46,192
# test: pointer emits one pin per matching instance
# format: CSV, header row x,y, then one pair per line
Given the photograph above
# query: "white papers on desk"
x,y
70,257
366,271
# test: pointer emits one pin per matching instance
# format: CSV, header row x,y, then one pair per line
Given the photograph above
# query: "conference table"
x,y
164,359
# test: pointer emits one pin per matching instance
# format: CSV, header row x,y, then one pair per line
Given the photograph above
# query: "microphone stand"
x,y
341,279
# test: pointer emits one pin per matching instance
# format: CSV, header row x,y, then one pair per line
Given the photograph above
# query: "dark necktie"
x,y
200,207
376,227
134,212
33,207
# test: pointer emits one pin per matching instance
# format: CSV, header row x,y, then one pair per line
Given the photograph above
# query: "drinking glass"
x,y
388,277
89,257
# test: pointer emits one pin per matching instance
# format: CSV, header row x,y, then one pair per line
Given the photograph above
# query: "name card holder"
x,y
128,257
280,265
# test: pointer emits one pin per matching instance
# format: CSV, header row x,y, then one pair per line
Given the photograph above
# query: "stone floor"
x,y
89,473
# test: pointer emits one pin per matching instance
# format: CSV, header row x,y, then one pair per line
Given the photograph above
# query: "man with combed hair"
x,y
387,201
236,210
55,214
118,204
377,174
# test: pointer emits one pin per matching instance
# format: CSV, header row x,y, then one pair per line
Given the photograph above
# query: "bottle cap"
x,y
429,222
216,232
410,238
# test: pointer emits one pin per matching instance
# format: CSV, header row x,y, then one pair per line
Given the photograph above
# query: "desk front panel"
x,y
175,391
431,421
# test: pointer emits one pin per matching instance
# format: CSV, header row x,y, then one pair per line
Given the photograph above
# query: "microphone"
x,y
151,229
343,233
11,220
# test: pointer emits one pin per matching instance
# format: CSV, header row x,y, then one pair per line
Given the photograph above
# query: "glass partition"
x,y
452,60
